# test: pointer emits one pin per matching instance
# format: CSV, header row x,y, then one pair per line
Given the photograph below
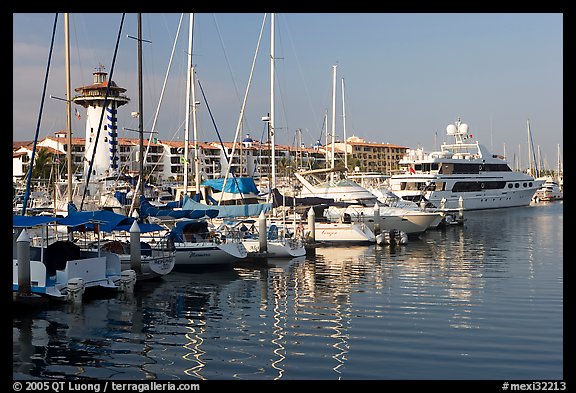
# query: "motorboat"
x,y
60,270
549,191
463,175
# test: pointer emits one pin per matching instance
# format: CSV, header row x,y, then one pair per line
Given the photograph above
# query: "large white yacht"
x,y
463,169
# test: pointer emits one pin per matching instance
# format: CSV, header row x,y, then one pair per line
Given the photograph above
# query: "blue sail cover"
x,y
147,209
247,210
244,185
108,221
30,221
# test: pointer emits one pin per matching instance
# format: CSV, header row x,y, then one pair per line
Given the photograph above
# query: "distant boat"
x,y
549,191
462,170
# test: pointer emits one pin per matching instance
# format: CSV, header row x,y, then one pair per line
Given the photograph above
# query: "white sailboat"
x,y
195,244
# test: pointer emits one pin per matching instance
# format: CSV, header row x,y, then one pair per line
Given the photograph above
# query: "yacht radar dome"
x,y
451,129
463,128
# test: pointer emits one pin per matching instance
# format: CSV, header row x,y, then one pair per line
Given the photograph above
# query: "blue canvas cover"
x,y
30,221
246,210
147,209
244,185
108,220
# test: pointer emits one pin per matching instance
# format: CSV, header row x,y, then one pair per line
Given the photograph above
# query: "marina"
x,y
189,257
482,301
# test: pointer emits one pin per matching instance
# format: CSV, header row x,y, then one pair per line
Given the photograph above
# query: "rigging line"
x,y
228,64
322,129
157,113
219,137
290,37
103,110
29,176
244,103
259,155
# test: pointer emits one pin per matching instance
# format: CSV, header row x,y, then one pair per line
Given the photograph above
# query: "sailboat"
x,y
236,198
279,243
59,270
196,244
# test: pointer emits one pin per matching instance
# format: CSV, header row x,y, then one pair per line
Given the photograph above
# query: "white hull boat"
x,y
549,191
463,174
409,221
278,248
196,246
343,233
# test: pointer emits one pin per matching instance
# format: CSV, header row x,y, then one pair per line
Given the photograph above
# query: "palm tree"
x,y
42,164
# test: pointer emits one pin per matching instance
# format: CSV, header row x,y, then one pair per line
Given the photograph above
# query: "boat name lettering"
x,y
198,254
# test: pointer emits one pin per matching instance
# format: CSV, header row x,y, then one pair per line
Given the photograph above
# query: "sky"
x,y
406,76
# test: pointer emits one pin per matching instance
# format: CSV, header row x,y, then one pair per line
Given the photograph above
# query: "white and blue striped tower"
x,y
92,97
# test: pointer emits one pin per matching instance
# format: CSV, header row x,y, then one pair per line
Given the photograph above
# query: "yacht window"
x,y
517,185
510,185
434,166
530,184
524,184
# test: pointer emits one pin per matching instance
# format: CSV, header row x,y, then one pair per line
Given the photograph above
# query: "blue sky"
x,y
407,76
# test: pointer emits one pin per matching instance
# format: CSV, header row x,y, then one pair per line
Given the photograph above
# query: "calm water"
x,y
480,302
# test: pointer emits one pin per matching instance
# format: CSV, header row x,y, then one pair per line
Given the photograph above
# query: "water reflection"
x,y
438,307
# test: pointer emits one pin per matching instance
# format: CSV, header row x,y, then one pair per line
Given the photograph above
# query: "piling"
x,y
135,252
376,219
262,235
312,226
23,251
460,208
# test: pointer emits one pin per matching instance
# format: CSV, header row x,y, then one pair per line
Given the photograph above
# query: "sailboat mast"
x,y
272,125
531,153
140,105
188,88
326,139
344,130
68,105
558,163
195,130
333,117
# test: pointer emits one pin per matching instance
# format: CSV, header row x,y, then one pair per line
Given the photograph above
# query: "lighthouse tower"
x,y
92,97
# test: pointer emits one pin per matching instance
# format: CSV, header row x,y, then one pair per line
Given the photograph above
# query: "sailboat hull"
x,y
206,253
